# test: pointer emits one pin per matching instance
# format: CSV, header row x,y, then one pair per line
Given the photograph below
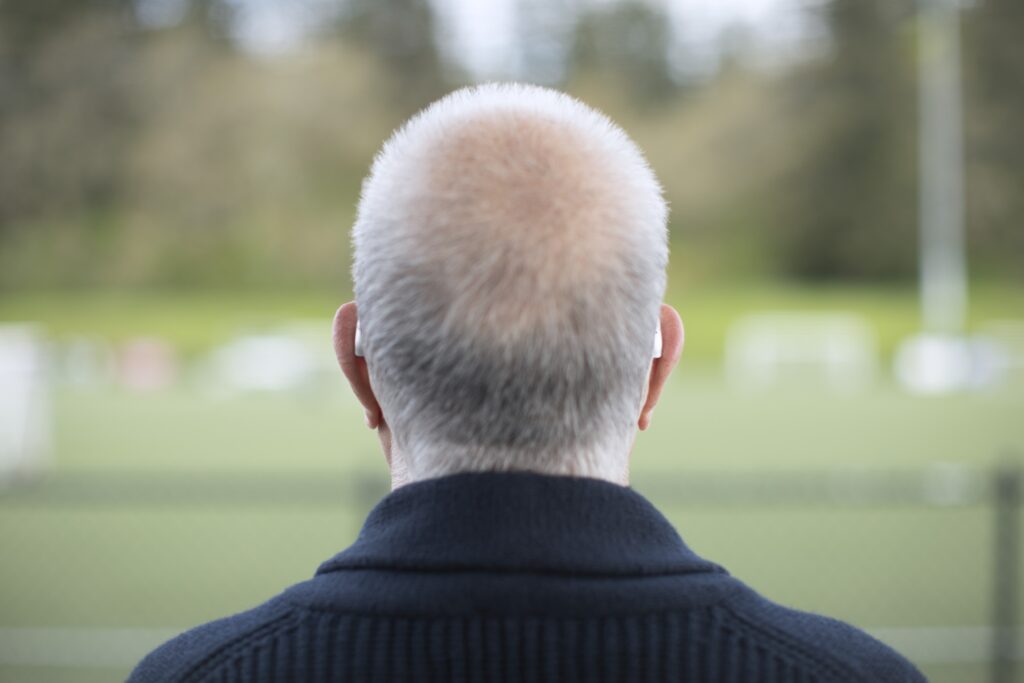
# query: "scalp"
x,y
515,202
525,211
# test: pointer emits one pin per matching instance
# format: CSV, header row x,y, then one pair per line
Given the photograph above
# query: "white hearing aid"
x,y
359,342
360,352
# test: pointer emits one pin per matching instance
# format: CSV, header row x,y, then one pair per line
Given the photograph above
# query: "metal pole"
x,y
943,267
1008,482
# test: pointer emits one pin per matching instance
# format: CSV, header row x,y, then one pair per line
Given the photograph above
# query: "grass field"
x,y
168,509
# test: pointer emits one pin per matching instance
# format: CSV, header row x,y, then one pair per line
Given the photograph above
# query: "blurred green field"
x,y
79,559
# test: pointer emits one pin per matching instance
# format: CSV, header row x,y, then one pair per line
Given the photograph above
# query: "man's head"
x,y
510,254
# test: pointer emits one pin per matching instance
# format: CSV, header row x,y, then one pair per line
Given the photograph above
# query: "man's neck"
x,y
402,475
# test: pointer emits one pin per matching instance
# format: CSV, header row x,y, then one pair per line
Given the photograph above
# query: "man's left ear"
x,y
353,366
672,337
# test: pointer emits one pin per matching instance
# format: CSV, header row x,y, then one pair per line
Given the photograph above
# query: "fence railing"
x,y
1008,482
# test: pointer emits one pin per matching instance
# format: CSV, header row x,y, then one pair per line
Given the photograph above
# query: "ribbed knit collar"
x,y
518,522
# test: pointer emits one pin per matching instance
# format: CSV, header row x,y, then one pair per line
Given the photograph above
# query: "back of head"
x,y
510,253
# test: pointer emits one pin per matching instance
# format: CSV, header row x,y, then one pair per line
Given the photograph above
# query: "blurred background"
x,y
177,182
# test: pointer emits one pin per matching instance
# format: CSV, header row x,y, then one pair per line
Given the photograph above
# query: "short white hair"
x,y
510,254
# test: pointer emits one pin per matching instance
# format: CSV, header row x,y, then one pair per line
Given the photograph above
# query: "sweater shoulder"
x,y
844,651
191,655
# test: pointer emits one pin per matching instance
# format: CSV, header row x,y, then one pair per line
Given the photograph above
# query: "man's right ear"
x,y
669,348
353,365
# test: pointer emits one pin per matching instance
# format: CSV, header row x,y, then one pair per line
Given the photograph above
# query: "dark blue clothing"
x,y
522,577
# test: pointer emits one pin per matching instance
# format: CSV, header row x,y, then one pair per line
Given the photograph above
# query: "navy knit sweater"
x,y
522,577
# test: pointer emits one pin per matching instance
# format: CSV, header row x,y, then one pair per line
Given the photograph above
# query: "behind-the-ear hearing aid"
x,y
359,342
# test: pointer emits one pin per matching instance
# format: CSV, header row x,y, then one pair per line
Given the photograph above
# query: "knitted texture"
x,y
527,578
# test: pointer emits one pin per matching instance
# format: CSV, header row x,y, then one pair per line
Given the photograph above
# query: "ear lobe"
x,y
672,337
352,366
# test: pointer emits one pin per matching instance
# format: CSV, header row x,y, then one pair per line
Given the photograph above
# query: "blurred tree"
x,y
848,209
144,155
627,43
248,170
27,25
994,93
65,110
400,34
164,153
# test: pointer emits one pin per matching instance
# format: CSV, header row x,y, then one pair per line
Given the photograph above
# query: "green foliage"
x,y
849,207
400,35
136,156
628,45
66,119
993,78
